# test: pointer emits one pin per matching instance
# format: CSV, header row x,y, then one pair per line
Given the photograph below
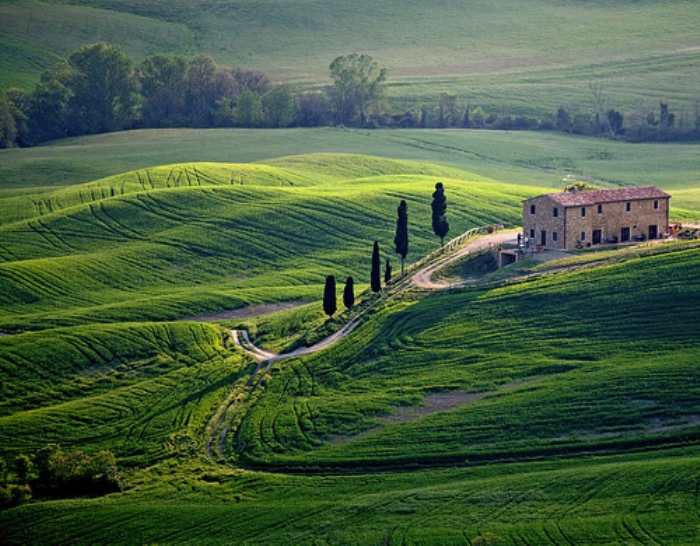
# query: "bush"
x,y
75,473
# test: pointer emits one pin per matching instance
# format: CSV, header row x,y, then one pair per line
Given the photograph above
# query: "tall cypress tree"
x,y
330,305
439,206
375,278
387,271
401,239
349,293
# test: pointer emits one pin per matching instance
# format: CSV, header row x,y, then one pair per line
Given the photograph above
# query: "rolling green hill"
x,y
527,56
525,158
560,409
187,240
581,362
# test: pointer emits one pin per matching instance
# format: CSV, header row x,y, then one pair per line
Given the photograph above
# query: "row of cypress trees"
x,y
440,227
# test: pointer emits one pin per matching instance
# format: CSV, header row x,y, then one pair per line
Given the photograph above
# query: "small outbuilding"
x,y
577,219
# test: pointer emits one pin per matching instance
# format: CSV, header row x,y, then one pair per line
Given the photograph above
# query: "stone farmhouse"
x,y
578,219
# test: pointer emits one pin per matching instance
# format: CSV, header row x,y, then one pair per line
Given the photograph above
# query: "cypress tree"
x,y
387,272
330,305
401,239
375,278
349,293
439,206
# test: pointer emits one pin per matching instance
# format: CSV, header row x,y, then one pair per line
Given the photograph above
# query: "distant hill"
x,y
526,55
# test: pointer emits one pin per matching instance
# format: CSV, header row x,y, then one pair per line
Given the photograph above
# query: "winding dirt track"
x,y
233,407
420,279
424,277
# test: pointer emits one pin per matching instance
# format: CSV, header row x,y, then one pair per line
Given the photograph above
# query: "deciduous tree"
x,y
358,83
162,82
103,89
280,106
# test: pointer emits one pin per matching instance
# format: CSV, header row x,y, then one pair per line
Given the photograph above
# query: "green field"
x,y
561,410
185,240
527,57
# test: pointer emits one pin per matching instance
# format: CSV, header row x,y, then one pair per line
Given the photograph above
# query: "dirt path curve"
x,y
423,277
234,405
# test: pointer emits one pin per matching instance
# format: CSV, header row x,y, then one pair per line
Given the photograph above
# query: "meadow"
x,y
194,239
579,431
525,57
534,411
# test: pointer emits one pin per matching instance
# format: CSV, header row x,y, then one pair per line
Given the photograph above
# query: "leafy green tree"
x,y
103,89
375,276
439,206
330,304
47,107
349,293
23,468
447,105
387,271
162,82
248,111
401,238
200,91
12,118
359,84
280,106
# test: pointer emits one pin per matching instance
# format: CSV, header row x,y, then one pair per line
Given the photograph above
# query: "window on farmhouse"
x,y
532,209
656,205
600,209
628,207
555,212
583,235
583,212
532,234
555,235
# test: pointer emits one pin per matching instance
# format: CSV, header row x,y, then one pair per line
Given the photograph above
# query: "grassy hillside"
x,y
600,375
195,239
587,361
530,56
558,410
595,501
533,159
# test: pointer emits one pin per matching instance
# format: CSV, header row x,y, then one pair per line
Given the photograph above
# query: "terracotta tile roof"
x,y
594,197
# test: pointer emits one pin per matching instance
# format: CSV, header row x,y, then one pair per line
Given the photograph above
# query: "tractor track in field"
x,y
228,412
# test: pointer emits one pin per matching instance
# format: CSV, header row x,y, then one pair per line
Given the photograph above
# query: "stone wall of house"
x,y
571,228
544,220
611,220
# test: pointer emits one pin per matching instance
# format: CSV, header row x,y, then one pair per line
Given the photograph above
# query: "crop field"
x,y
562,409
527,56
559,365
533,159
188,240
593,501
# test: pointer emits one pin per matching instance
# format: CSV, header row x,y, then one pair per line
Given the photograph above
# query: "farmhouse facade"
x,y
577,219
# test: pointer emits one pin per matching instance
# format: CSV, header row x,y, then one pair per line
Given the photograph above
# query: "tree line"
x,y
440,227
99,89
